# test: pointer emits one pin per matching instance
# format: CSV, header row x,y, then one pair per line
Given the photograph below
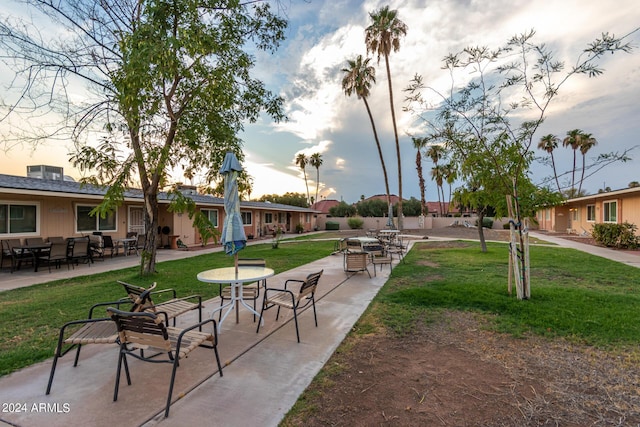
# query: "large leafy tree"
x,y
168,84
498,136
358,78
382,37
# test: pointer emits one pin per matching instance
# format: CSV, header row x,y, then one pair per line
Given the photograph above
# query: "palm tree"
x,y
301,161
437,174
316,161
435,153
381,37
587,142
549,143
419,144
450,175
359,77
573,140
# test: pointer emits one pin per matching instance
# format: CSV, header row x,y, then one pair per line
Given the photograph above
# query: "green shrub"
x,y
332,225
487,222
355,223
619,236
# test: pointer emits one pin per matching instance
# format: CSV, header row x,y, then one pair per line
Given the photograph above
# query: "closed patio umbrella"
x,y
233,237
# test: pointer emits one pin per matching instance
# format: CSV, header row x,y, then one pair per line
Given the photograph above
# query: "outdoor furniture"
x,y
77,333
96,246
235,278
287,298
355,262
110,246
142,331
57,254
379,256
16,256
249,291
128,244
31,252
79,251
57,239
142,300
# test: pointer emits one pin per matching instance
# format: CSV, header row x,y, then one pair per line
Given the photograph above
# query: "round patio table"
x,y
234,278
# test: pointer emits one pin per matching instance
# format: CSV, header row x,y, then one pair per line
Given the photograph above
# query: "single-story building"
x,y
580,214
42,207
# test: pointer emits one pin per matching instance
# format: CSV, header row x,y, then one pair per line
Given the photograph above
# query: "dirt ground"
x,y
456,372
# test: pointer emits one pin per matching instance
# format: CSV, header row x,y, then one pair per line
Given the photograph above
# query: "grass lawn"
x,y
31,317
573,294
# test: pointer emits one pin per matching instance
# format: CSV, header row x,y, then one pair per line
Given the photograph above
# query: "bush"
x,y
486,222
355,223
619,236
332,225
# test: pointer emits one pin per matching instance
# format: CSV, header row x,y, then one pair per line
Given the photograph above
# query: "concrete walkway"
x,y
264,373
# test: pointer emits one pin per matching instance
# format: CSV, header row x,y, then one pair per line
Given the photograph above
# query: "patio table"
x,y
35,250
236,279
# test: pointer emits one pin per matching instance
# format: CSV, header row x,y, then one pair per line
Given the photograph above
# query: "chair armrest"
x,y
190,297
291,280
102,304
198,325
161,291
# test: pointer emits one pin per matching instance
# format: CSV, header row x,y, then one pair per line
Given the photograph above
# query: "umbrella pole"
x,y
238,289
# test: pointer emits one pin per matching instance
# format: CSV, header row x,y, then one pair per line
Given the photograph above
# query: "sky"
x,y
322,35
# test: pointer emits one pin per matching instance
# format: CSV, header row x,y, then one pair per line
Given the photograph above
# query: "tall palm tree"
x,y
450,172
358,78
549,143
587,142
316,161
382,36
435,153
419,144
301,161
573,140
437,174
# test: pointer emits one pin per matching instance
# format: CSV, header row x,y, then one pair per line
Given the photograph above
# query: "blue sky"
x,y
324,34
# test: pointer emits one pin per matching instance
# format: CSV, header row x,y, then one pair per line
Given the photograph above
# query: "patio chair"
x,y
18,256
143,301
379,256
56,239
91,330
141,331
355,262
96,246
108,245
80,251
274,297
250,291
57,254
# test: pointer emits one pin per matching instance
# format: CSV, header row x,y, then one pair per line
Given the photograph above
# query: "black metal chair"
x,y
275,297
148,331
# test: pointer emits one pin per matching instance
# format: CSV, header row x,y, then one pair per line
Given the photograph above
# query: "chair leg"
x,y
295,318
260,319
56,356
173,378
122,359
313,303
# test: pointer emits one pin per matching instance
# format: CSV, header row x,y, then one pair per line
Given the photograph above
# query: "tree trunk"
x,y
148,256
483,242
395,132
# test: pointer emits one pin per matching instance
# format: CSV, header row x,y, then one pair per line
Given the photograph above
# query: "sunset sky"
x,y
323,34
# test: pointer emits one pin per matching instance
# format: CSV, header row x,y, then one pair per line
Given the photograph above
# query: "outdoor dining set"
x,y
142,324
55,251
377,248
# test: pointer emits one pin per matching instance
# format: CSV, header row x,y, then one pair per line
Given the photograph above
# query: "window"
x,y
547,214
268,218
307,217
591,213
610,213
574,215
19,218
85,222
212,215
247,218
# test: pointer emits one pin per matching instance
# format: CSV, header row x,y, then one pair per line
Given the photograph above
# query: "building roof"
x,y
323,206
48,187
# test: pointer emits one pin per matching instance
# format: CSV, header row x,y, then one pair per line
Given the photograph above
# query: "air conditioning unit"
x,y
46,172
